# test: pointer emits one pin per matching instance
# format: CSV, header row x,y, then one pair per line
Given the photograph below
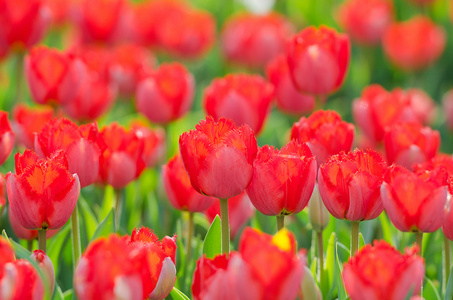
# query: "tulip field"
x,y
231,150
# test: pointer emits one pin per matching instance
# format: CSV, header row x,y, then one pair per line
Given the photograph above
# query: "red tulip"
x,y
45,264
415,201
422,104
78,143
167,94
350,185
283,180
154,143
218,157
28,120
129,63
179,191
2,194
240,211
377,108
23,23
447,105
140,267
7,137
318,59
6,254
122,159
23,233
325,133
289,99
278,279
59,11
20,280
381,272
409,143
53,76
211,279
414,44
366,21
107,26
254,40
245,99
42,193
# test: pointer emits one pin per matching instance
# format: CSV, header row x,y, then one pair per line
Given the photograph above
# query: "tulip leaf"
x,y
449,289
58,294
386,229
338,271
361,241
55,246
68,295
108,202
212,245
177,295
327,287
87,221
106,227
430,291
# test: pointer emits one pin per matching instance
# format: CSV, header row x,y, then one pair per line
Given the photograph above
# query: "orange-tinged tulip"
x,y
153,140
325,133
42,192
289,99
381,272
23,233
245,99
366,21
283,180
408,143
253,39
166,94
350,184
7,137
318,59
179,190
414,44
218,157
28,120
415,201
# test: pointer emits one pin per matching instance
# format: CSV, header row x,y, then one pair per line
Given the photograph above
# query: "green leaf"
x,y
177,295
327,286
56,245
106,227
338,270
361,241
88,222
68,295
212,245
108,203
449,290
58,294
430,290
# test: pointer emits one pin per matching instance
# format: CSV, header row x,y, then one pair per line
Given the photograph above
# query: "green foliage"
x,y
212,245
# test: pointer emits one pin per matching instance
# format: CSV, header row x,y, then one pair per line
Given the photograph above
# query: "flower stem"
x,y
19,65
280,222
225,227
42,240
189,238
76,250
320,257
354,237
117,209
447,262
418,241
30,245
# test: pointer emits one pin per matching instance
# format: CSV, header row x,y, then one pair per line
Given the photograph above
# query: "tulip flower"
x,y
325,133
447,105
218,157
179,190
7,137
415,201
381,272
23,23
377,108
255,39
318,60
283,180
240,211
139,267
211,279
128,64
365,21
53,76
289,99
279,279
414,44
107,26
153,140
28,120
245,99
409,143
26,234
422,104
2,194
20,280
6,251
167,94
46,266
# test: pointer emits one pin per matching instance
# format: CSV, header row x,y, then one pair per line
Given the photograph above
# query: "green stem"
x,y
320,257
225,227
117,208
189,238
30,245
354,237
42,240
76,250
418,241
447,262
280,222
19,77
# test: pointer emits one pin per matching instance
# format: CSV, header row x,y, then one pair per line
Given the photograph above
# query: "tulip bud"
x,y
46,266
317,212
309,288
